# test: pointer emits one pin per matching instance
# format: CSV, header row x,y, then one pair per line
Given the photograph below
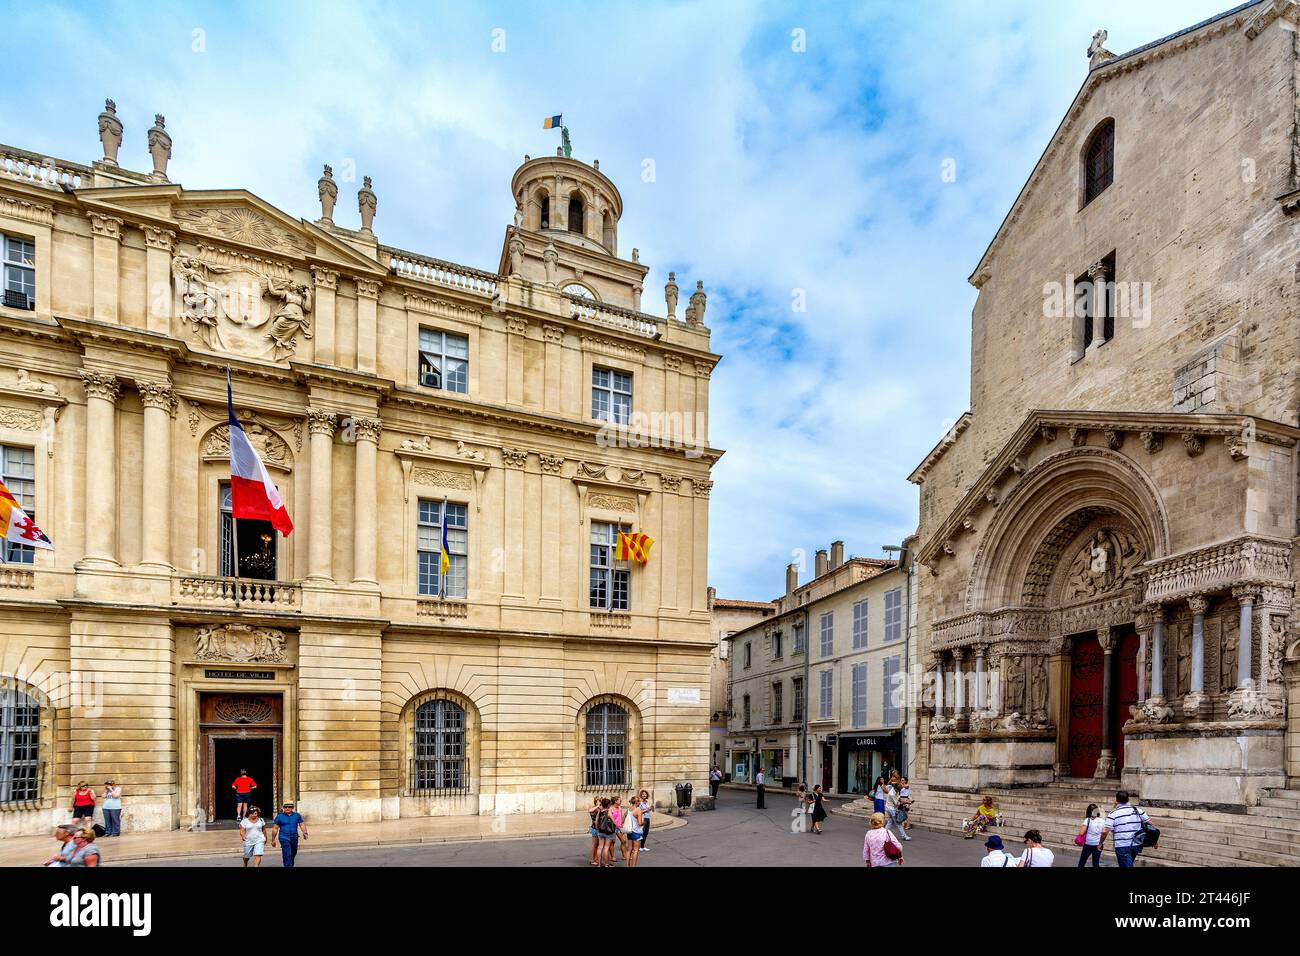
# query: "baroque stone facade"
x,y
1108,532
387,392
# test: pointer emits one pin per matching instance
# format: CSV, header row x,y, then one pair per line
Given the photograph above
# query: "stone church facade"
x,y
1108,534
521,415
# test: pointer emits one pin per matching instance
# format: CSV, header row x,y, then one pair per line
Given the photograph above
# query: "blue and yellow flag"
x,y
553,122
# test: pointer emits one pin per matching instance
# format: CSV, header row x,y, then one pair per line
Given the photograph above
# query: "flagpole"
x,y
234,522
442,553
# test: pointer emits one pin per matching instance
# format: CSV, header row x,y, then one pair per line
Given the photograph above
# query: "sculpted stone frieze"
x,y
442,479
1244,560
243,225
239,643
610,502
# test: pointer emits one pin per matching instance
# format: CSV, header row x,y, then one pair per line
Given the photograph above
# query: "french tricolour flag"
x,y
252,492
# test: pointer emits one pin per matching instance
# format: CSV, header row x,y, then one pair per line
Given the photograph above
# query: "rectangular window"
x,y
859,625
828,693
429,523
892,691
778,704
444,360
893,615
749,654
611,395
777,648
796,694
828,633
724,647
18,472
798,639
859,695
746,714
18,262
249,546
609,578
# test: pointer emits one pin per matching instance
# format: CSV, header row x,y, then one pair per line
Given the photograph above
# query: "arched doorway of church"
x,y
1095,719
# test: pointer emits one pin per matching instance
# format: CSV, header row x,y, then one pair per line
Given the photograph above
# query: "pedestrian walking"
x,y
63,833
818,809
1128,823
878,796
879,848
284,831
243,786
996,856
1035,853
594,813
252,833
86,853
904,805
635,829
1089,836
715,781
83,805
645,806
607,828
618,813
112,807
762,790
891,811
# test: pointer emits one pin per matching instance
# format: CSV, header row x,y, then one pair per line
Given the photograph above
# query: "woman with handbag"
x,y
1089,836
879,848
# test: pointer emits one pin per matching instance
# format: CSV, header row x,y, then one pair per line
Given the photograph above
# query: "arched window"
x,y
575,214
440,763
1099,161
607,230
20,730
546,212
605,758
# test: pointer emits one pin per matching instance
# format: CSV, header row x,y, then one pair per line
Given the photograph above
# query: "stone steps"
x,y
1265,836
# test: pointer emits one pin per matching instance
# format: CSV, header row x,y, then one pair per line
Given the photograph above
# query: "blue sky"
x,y
779,175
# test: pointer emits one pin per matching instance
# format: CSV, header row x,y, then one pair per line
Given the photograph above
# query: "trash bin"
x,y
683,796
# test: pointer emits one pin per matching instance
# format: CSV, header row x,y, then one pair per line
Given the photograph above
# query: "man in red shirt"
x,y
243,786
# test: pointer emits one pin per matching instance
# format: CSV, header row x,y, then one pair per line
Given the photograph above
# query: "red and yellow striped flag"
x,y
633,546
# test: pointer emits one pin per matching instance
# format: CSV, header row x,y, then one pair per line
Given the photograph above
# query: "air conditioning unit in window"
x,y
19,300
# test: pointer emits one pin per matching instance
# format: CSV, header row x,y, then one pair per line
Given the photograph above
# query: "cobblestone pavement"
x,y
735,834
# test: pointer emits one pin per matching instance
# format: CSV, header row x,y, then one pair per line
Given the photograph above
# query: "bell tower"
x,y
565,234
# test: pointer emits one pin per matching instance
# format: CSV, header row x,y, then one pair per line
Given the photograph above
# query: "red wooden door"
x,y
1085,707
1125,690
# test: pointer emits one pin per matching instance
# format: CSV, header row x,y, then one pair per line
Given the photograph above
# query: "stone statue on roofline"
x,y
328,191
110,132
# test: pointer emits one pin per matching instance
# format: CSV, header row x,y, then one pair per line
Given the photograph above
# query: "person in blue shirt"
x,y
284,830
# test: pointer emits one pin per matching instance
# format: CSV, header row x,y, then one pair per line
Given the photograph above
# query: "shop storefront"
x,y
865,756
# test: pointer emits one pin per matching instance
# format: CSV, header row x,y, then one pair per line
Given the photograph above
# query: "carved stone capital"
x,y
703,369
101,385
1199,603
326,278
670,482
157,395
673,363
368,288
551,464
1106,638
553,334
702,487
321,422
514,457
516,326
367,429
1246,593
155,237
108,226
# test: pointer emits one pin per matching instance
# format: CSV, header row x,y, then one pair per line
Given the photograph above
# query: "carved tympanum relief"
x,y
1107,562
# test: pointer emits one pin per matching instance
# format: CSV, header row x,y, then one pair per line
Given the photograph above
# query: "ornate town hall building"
x,y
403,405
1109,532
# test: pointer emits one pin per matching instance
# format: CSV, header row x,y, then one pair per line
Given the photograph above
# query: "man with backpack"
x,y
1129,824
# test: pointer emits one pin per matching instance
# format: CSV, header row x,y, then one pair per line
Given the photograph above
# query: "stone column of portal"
x,y
979,678
366,505
959,690
156,510
1245,635
1195,703
1106,762
938,686
101,469
1154,708
320,530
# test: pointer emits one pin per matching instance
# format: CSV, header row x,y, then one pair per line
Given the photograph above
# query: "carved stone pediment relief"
x,y
239,643
196,413
243,225
270,446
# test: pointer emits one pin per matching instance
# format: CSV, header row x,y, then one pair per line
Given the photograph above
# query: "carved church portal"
x,y
239,732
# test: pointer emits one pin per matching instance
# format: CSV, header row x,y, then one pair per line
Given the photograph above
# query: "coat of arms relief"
x,y
240,303
239,643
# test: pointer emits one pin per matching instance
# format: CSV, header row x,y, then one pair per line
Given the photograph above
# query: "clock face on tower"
x,y
579,290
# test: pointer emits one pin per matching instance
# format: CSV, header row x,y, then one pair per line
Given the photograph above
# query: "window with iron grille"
x,y
778,704
440,761
859,695
18,472
606,753
429,522
20,728
611,395
1099,161
859,624
894,615
18,262
893,691
828,633
609,578
828,693
444,360
796,695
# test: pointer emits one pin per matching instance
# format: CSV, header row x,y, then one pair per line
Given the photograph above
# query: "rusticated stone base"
x,y
1011,759
1205,763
